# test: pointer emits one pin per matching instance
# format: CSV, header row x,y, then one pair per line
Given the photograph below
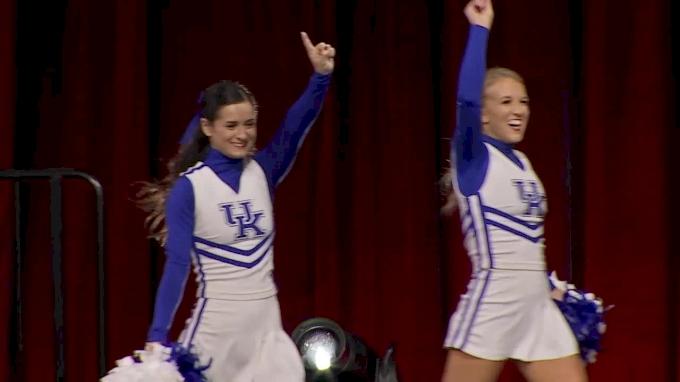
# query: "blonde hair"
x,y
445,182
446,189
494,74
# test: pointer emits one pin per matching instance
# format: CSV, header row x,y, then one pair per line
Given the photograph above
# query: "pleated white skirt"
x,y
243,341
509,314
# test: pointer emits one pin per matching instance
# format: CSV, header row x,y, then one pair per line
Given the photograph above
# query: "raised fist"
x,y
480,12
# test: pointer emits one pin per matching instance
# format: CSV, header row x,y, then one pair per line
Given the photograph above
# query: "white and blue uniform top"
x,y
219,216
502,201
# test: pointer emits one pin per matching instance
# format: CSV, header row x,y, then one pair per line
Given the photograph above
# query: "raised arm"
x,y
179,219
278,156
468,152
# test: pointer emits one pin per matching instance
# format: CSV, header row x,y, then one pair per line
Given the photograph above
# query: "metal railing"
x,y
55,177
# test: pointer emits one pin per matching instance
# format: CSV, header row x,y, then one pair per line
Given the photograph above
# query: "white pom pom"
x,y
601,327
154,367
557,283
590,296
574,294
127,361
591,356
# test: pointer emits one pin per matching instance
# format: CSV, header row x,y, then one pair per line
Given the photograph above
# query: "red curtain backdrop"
x,y
359,237
7,100
626,85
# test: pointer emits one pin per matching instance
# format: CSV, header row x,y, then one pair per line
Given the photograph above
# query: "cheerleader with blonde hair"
x,y
511,310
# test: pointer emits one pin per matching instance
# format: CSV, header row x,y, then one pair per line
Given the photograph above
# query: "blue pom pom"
x,y
188,363
586,318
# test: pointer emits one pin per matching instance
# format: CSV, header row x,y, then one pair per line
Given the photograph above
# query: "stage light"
x,y
323,346
332,354
322,359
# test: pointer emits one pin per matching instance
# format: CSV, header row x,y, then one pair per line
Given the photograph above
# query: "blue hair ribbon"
x,y
193,125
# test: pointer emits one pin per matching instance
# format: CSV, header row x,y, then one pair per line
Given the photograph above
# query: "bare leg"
x,y
567,369
462,367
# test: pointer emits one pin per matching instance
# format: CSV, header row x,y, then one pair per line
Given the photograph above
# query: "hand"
x,y
321,56
150,346
480,12
557,294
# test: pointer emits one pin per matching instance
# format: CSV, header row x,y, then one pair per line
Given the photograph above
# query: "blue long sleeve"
x,y
468,151
179,219
279,155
